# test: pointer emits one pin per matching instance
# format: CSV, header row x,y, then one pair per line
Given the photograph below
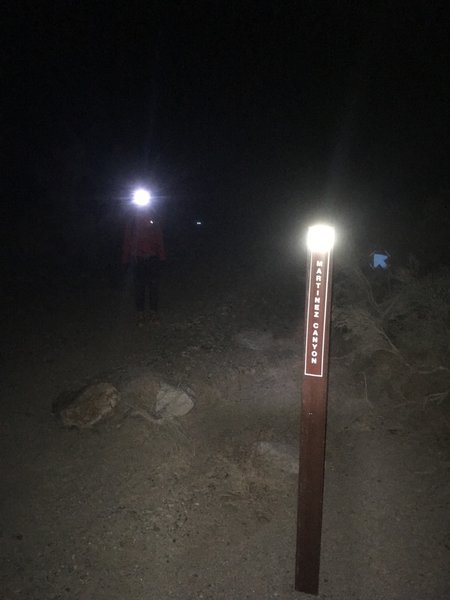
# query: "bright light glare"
x,y
320,238
141,197
198,223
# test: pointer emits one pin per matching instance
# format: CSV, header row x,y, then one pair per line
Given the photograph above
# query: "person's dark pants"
x,y
146,276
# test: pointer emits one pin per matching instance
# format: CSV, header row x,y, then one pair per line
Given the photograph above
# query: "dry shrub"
x,y
409,320
419,319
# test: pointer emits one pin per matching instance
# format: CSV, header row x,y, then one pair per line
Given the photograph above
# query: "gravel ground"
x,y
204,506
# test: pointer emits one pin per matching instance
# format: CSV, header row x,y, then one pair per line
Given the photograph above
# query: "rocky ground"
x,y
204,506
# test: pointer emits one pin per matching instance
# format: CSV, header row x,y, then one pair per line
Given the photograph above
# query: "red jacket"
x,y
143,238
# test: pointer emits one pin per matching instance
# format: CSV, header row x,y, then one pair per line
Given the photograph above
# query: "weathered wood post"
x,y
313,413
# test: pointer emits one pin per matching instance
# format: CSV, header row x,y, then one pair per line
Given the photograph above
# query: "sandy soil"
x,y
193,509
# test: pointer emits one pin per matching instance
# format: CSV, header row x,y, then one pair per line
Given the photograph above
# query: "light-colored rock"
x,y
156,401
90,405
172,402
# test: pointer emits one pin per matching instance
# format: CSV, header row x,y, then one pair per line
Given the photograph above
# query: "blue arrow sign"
x,y
379,260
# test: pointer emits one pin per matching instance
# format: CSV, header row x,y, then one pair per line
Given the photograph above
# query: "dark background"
x,y
253,116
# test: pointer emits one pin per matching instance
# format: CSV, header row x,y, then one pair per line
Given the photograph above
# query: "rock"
x,y
88,407
154,400
142,390
172,402
280,456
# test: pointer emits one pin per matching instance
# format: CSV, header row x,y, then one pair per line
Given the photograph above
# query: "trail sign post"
x,y
314,408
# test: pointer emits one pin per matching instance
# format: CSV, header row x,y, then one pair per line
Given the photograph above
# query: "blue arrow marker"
x,y
380,260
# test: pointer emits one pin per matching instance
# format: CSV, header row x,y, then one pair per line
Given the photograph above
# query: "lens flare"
x,y
141,197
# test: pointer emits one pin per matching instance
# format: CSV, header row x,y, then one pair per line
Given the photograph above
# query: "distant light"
x,y
320,238
141,197
198,222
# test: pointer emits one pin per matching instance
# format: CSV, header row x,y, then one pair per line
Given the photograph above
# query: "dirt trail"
x,y
192,510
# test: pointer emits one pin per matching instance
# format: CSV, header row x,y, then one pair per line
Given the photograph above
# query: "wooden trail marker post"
x,y
313,414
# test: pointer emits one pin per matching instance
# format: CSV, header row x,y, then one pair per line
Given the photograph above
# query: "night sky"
x,y
225,107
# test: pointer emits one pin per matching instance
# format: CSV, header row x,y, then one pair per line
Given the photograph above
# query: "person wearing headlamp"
x,y
143,249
